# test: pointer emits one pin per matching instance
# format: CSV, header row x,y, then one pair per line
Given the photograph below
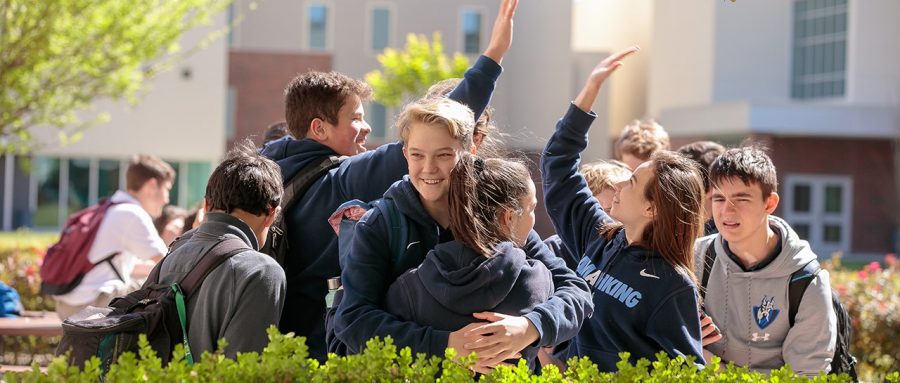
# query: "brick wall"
x,y
258,81
871,164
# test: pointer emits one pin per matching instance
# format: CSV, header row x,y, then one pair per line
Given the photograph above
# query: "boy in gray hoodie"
x,y
747,287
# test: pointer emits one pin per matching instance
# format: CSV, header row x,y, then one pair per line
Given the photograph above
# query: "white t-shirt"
x,y
127,229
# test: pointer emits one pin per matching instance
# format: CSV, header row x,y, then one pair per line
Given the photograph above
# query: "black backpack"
x,y
842,362
276,244
156,310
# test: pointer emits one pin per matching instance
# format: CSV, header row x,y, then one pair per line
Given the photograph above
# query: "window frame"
x,y
817,218
369,32
461,33
329,25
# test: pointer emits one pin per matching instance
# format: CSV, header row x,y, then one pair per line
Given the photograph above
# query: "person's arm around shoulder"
x,y
551,322
809,345
260,286
365,278
478,83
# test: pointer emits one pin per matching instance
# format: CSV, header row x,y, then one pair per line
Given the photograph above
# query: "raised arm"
x,y
575,213
478,83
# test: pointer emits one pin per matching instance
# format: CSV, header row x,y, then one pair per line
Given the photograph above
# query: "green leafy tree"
x,y
58,56
409,73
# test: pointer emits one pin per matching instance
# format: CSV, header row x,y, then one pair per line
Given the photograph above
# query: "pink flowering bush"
x,y
872,298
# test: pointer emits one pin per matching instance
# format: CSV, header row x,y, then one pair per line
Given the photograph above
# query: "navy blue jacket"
x,y
364,176
642,304
370,268
454,282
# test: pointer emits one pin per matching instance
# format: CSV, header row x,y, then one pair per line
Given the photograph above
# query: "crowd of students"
x,y
623,272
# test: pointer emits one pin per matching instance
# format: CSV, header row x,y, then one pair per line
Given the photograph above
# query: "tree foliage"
x,y
409,73
58,56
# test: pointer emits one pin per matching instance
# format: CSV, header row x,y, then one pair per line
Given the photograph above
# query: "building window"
x,y
318,26
820,49
471,31
197,175
79,184
108,178
376,116
47,175
819,209
381,28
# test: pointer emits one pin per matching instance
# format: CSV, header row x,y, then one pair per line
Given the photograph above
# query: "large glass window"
x,y
381,28
79,184
820,49
197,175
819,210
46,173
318,26
107,178
173,194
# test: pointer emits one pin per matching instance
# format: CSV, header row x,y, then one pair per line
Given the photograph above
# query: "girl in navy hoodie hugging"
x,y
435,134
492,205
644,292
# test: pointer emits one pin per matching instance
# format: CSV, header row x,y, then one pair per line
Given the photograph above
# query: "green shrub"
x,y
285,360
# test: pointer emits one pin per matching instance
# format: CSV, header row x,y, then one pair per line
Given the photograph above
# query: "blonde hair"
x,y
642,138
491,142
455,117
604,174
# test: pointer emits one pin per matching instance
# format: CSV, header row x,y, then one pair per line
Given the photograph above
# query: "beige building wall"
x,y
178,117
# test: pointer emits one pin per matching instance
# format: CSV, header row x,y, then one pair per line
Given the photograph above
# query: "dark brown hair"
x,y
245,180
749,163
703,153
321,95
479,191
143,168
169,214
676,193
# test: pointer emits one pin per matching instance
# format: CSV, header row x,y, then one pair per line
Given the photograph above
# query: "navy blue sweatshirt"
x,y
454,282
364,176
642,304
370,268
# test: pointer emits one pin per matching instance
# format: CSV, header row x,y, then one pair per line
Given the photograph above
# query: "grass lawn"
x,y
25,239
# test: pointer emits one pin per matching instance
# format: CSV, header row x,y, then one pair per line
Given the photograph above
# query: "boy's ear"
x,y
772,202
270,218
317,130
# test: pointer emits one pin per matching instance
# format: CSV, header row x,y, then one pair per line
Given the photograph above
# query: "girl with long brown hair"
x,y
640,270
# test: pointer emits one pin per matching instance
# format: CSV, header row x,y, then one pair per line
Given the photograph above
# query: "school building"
x,y
813,79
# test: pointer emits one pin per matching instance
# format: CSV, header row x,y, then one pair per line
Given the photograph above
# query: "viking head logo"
x,y
766,312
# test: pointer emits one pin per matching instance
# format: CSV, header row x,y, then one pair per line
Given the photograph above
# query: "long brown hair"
x,y
676,193
479,191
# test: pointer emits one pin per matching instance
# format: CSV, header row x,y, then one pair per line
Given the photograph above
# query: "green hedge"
x,y
285,360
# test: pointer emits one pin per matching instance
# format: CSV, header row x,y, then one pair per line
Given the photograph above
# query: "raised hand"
x,y
501,35
600,73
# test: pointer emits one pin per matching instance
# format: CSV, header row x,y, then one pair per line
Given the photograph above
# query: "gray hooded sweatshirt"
x,y
751,309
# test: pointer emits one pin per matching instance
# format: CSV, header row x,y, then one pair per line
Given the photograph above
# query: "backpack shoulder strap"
x,y
300,182
800,280
708,260
214,257
399,235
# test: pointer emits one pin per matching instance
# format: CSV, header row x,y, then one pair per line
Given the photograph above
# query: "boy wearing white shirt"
x,y
126,234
